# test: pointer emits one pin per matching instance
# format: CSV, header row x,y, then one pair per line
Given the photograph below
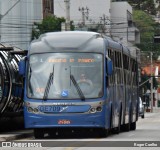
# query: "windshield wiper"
x,y
80,93
50,80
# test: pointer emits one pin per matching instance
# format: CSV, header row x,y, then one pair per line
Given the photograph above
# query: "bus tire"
x,y
104,133
133,126
142,116
126,127
38,133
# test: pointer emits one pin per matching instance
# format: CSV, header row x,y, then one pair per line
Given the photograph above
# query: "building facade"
x,y
85,13
48,8
113,19
17,19
123,28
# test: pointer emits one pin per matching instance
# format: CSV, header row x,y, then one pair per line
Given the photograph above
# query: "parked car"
x,y
141,108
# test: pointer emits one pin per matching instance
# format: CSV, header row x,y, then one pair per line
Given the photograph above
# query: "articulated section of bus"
x,y
65,90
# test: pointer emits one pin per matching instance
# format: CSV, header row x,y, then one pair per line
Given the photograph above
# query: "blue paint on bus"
x,y
69,82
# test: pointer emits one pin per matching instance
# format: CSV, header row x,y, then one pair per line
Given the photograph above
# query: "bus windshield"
x,y
65,76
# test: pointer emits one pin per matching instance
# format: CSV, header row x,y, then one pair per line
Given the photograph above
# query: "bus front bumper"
x,y
69,120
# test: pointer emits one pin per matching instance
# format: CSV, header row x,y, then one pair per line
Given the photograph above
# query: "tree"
x,y
136,3
48,24
148,28
149,7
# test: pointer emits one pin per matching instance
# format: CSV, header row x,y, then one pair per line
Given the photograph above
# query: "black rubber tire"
x,y
133,126
38,133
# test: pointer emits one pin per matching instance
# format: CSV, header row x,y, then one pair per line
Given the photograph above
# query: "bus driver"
x,y
85,84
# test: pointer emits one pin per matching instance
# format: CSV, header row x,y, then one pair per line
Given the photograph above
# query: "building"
x,y
86,13
48,8
17,18
103,15
16,25
123,28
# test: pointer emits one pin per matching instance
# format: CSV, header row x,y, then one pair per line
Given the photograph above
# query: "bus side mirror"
x,y
22,66
109,67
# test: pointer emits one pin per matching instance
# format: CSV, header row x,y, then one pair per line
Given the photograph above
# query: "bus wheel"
x,y
127,127
133,126
38,133
104,133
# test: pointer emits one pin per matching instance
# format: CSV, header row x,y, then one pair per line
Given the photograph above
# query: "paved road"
x,y
147,134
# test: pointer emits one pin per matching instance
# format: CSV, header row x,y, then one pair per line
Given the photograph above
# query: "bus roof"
x,y
68,41
119,47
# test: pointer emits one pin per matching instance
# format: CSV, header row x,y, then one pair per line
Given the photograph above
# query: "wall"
x,y
96,10
16,26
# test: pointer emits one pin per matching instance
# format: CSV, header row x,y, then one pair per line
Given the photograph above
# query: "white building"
x,y
16,21
17,18
85,11
123,28
122,23
117,17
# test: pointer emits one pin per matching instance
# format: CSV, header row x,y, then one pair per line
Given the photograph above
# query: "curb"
x,y
10,136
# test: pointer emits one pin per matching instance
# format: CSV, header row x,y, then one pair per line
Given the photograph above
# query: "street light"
x,y
151,79
151,54
67,5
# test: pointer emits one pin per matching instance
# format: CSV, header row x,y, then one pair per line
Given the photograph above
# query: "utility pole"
x,y
151,83
104,20
67,5
2,16
85,14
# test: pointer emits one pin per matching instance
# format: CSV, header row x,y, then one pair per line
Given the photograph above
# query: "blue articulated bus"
x,y
78,80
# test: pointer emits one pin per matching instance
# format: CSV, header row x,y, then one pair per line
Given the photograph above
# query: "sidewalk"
x,y
13,129
15,135
155,110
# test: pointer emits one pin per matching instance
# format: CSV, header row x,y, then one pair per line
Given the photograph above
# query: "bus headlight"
x,y
35,110
99,108
30,109
93,110
96,109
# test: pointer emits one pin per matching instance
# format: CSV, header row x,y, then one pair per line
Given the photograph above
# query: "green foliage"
x,y
143,9
144,5
149,6
145,24
147,27
48,24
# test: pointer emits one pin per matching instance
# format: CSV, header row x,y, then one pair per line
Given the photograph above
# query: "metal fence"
x,y
11,84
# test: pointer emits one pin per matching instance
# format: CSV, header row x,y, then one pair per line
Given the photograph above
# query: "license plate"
x,y
64,121
50,109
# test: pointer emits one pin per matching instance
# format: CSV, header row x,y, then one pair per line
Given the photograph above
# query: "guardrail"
x,y
11,84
